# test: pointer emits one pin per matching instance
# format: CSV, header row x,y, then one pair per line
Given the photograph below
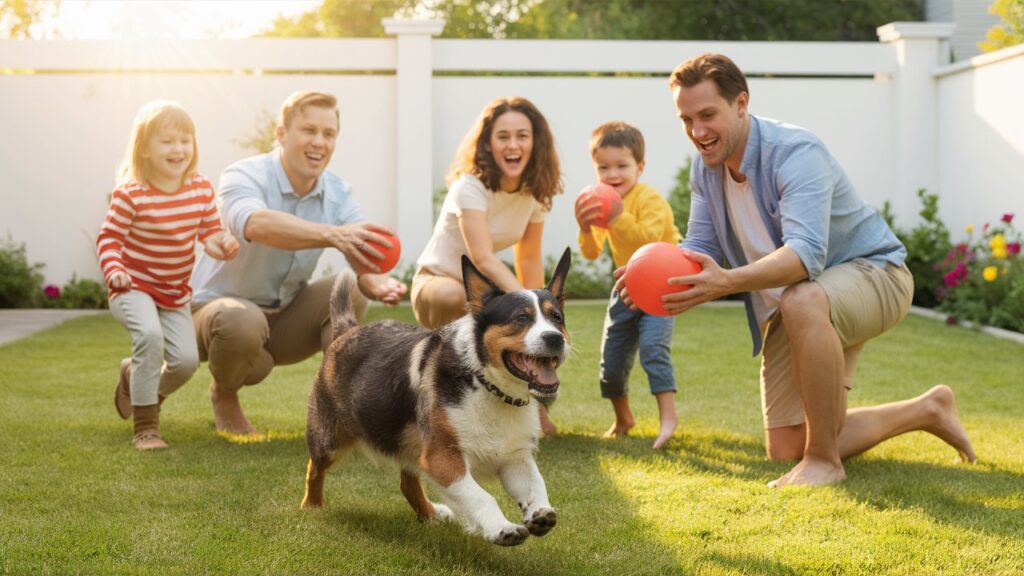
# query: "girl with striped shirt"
x,y
146,248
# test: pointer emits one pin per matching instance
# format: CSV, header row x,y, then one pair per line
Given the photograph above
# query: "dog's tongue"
x,y
545,372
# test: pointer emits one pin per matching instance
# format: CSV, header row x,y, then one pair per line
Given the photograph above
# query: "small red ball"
x,y
388,262
648,271
608,197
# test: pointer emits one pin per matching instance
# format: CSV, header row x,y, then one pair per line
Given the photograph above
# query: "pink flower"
x,y
1013,248
951,320
950,279
1008,217
960,271
52,292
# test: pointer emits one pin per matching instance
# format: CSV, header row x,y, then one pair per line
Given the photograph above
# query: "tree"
x,y
21,18
1011,31
848,20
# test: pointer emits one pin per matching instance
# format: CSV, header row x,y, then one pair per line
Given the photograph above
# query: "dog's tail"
x,y
346,303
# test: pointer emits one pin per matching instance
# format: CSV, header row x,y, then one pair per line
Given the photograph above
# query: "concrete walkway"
x,y
19,323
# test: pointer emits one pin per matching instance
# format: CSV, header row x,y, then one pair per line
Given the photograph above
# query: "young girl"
x,y
501,184
146,248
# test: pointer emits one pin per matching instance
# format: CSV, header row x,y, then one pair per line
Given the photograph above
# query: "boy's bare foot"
x,y
946,422
619,429
810,472
227,412
547,427
668,428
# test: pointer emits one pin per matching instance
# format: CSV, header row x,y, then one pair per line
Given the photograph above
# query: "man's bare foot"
x,y
547,427
946,422
227,412
811,473
668,428
619,429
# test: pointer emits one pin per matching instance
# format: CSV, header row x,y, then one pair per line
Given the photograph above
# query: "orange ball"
x,y
648,271
388,262
607,195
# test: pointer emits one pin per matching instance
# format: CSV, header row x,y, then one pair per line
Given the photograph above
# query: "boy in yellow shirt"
x,y
643,216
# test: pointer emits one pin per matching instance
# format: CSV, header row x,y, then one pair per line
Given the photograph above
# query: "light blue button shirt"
x,y
805,200
268,276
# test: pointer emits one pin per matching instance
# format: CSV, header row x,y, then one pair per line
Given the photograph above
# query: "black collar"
x,y
507,398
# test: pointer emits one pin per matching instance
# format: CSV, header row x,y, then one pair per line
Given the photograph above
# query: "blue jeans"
x,y
625,331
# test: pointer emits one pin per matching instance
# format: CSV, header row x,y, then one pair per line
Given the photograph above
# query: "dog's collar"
x,y
507,398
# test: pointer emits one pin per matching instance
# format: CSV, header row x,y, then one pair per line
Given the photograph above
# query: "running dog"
x,y
457,404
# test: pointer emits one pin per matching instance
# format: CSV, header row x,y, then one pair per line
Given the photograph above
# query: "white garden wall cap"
x,y
894,31
432,27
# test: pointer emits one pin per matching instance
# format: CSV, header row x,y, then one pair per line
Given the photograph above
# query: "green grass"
x,y
76,498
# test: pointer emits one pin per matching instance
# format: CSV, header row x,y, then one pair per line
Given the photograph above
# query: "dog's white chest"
x,y
491,432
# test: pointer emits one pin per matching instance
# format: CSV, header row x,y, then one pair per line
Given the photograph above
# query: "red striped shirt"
x,y
151,235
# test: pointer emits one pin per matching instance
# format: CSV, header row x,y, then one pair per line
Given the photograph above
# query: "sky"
x,y
117,19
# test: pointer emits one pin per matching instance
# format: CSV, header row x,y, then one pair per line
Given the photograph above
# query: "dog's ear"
x,y
557,283
479,288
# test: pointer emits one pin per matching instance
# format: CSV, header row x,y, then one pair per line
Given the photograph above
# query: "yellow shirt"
x,y
646,217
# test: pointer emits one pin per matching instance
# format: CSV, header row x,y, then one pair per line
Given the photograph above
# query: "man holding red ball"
x,y
285,208
821,274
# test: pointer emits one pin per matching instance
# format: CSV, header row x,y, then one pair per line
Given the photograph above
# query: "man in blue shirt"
x,y
284,209
820,271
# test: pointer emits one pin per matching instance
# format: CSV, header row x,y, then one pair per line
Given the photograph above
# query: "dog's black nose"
x,y
553,340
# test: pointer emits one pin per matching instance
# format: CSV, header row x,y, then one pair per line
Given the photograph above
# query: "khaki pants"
x,y
864,300
243,342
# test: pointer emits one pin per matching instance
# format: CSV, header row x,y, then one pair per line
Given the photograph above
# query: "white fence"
x,y
893,117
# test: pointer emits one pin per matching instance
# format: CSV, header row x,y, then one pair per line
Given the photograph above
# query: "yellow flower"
x,y
989,273
997,242
999,253
970,228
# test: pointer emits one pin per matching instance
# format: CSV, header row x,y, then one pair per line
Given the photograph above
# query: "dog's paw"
x,y
542,521
442,513
511,535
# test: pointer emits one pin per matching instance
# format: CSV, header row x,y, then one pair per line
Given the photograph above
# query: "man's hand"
x,y
119,281
709,284
352,240
221,246
382,288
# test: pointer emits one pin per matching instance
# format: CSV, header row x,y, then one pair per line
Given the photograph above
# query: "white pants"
x,y
164,354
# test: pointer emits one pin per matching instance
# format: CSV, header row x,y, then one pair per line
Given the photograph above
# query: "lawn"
x,y
76,498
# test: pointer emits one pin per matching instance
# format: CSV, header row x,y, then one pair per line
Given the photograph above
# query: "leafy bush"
x,y
81,293
679,197
19,280
587,278
983,279
927,244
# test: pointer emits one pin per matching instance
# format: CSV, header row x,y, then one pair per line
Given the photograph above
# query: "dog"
x,y
457,404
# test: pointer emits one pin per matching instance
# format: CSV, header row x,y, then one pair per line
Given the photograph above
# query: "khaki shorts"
x,y
864,300
427,312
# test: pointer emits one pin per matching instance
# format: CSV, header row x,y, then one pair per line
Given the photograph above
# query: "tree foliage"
x,y
1011,31
847,20
20,18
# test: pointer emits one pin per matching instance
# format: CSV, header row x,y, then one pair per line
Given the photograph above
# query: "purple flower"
x,y
52,292
1008,217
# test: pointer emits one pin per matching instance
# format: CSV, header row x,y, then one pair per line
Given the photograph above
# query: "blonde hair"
x,y
542,176
153,117
298,101
618,135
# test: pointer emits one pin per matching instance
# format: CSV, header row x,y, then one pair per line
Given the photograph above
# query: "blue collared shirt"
x,y
269,276
805,200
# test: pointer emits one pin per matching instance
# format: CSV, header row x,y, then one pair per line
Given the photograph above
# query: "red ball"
x,y
388,262
648,271
607,195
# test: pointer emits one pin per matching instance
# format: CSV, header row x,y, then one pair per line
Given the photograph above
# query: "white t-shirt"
x,y
755,240
508,214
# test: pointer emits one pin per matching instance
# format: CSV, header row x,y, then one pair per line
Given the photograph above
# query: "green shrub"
x,y
679,197
587,278
19,280
927,244
983,279
82,293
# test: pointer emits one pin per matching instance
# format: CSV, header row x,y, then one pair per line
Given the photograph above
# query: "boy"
x,y
643,216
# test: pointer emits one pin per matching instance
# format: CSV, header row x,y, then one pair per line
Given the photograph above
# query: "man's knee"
x,y
802,302
239,329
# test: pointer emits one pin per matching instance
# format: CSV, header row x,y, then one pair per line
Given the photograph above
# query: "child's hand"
x,y
221,246
615,210
119,281
588,211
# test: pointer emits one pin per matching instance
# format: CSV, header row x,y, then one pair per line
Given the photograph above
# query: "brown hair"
x,y
298,102
618,135
153,117
715,67
542,177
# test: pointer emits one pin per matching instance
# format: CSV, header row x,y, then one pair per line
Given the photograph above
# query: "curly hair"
x,y
542,177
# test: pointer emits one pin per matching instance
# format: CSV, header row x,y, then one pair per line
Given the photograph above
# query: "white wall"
x,y
981,140
67,123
